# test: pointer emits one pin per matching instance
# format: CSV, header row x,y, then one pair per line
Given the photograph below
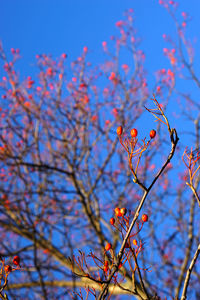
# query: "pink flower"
x,y
184,14
85,49
64,55
112,76
119,23
125,67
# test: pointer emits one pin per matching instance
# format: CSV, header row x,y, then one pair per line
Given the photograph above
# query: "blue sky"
x,y
54,27
66,26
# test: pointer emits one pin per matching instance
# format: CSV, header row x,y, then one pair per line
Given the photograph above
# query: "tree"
x,y
88,213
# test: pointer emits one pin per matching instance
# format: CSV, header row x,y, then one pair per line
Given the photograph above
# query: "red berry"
x,y
118,212
123,211
49,71
135,242
64,55
27,104
134,132
83,85
106,263
119,130
120,265
16,260
112,221
108,246
145,218
152,134
4,197
85,49
105,268
112,76
7,269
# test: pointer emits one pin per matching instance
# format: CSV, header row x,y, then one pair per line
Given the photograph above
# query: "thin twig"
x,y
188,274
174,140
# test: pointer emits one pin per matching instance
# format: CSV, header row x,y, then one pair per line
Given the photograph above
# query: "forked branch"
x,y
158,113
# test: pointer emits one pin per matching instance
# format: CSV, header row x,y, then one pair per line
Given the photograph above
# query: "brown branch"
x,y
194,192
174,140
188,274
84,282
139,273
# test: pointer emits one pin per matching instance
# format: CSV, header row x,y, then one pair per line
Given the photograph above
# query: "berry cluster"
x,y
6,269
121,223
134,149
134,132
16,262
